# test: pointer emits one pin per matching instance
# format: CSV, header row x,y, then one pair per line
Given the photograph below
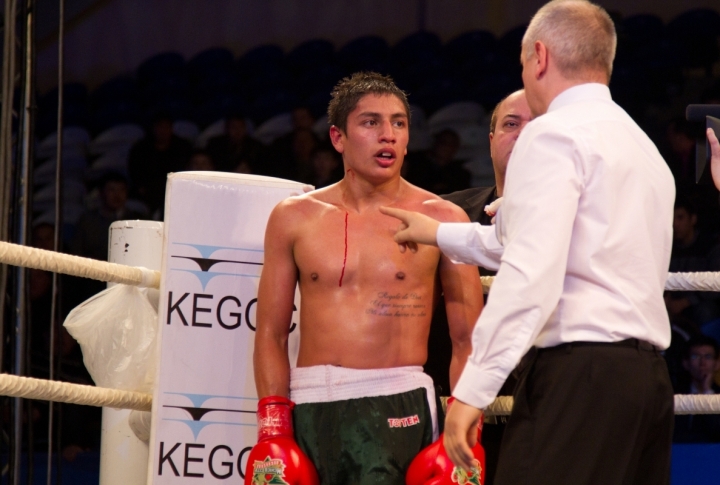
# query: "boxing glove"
x,y
277,458
432,466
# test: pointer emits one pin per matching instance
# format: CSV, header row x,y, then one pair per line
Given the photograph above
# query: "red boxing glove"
x,y
276,458
432,466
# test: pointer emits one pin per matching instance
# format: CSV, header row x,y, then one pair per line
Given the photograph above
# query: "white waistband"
x,y
328,383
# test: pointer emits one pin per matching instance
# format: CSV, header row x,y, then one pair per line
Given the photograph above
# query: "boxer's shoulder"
x,y
444,211
307,204
432,205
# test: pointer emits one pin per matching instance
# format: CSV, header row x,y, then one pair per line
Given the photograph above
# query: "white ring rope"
x,y
697,281
45,390
30,388
697,403
700,281
684,404
29,257
35,258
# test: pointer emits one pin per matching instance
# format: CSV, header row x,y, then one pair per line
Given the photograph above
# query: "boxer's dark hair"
x,y
346,94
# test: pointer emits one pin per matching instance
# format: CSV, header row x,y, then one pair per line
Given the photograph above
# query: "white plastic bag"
x,y
117,332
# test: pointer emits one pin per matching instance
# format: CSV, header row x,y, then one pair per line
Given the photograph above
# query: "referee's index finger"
x,y
712,137
396,213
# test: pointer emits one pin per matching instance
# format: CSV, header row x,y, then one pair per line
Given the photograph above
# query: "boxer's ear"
x,y
337,138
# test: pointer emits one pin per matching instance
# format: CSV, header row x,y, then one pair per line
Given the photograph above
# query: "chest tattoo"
x,y
397,305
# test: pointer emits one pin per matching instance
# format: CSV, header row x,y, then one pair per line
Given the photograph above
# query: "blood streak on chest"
x,y
342,274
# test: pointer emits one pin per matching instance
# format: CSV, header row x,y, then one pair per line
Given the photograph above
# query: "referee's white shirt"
x,y
586,226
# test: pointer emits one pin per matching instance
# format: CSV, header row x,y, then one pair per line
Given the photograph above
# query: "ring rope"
x,y
31,388
695,281
28,257
42,259
57,391
699,281
684,404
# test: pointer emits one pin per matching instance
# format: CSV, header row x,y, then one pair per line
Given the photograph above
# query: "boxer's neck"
x,y
359,194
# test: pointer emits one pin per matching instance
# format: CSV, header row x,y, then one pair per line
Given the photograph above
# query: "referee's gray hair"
x,y
580,35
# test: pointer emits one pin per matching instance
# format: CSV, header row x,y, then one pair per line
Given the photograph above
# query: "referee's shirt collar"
x,y
581,92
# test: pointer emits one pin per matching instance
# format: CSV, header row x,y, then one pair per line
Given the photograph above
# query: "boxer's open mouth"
x,y
385,157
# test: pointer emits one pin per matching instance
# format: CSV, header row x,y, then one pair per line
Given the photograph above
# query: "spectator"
x,y
326,167
701,362
152,158
290,154
693,250
438,170
91,234
200,160
80,428
235,147
290,157
680,153
40,283
304,143
244,167
302,118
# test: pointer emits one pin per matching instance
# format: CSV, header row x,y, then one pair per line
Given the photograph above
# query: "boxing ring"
x,y
203,293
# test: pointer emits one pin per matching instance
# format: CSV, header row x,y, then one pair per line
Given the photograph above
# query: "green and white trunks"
x,y
363,426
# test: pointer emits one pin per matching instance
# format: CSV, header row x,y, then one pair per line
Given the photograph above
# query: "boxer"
x,y
363,408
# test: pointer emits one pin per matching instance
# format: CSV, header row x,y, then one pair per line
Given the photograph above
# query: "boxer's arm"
x,y
275,306
463,304
463,296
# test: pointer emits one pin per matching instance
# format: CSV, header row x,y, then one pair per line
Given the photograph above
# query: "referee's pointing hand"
x,y
715,157
415,228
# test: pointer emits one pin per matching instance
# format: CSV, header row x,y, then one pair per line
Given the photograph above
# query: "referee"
x,y
586,226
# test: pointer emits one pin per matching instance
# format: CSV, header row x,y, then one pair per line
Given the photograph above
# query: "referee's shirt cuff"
x,y
477,387
470,243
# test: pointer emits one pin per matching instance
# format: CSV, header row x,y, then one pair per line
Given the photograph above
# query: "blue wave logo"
x,y
197,415
248,265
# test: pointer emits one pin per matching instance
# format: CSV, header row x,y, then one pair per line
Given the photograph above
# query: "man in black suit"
x,y
507,121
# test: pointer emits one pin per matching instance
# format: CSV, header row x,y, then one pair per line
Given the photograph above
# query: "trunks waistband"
x,y
328,383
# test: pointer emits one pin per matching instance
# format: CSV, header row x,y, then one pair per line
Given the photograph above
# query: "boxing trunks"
x,y
363,426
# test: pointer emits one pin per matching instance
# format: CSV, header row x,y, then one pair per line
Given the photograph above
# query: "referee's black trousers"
x,y
590,413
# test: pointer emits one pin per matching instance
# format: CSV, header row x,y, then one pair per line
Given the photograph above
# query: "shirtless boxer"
x,y
364,408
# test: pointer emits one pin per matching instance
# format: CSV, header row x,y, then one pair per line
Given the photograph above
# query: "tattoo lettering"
x,y
397,305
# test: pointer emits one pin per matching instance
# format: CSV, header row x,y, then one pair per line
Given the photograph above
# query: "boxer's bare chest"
x,y
344,249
